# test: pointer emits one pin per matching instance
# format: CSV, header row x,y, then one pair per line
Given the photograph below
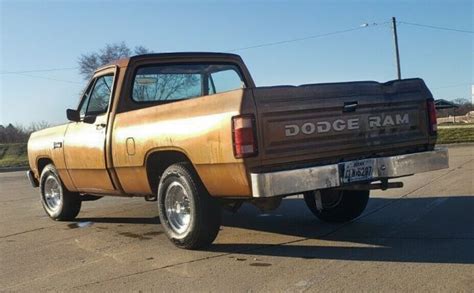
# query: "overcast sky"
x,y
39,35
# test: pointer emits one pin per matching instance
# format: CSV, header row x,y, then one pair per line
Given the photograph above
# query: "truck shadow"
x,y
121,220
418,230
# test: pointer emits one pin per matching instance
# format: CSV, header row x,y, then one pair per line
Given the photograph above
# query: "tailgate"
x,y
327,123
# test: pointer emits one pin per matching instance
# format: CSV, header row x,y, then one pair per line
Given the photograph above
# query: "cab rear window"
x,y
165,83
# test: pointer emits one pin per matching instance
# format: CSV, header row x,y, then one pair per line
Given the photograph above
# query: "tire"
x,y
190,217
338,206
59,203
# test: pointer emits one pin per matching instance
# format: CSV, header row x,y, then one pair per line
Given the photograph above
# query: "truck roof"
x,y
173,55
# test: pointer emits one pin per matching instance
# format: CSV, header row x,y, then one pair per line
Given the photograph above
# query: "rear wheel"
x,y
336,206
58,202
190,217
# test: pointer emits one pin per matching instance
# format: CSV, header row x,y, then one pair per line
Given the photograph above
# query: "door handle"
x,y
350,106
100,126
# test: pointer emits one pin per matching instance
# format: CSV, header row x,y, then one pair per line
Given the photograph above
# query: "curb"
x,y
13,169
460,144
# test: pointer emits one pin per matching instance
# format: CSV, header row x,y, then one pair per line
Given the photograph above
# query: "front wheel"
x,y
336,206
190,217
58,202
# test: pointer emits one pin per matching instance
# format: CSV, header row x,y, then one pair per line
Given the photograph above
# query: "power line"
x,y
233,50
437,27
48,78
363,26
38,70
304,38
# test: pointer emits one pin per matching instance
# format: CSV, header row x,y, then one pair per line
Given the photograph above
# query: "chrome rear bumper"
x,y
328,176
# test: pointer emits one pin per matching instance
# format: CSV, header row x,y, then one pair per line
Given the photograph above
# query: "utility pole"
x,y
397,53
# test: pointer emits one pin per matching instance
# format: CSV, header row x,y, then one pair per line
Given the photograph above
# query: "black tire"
x,y
204,212
68,204
338,205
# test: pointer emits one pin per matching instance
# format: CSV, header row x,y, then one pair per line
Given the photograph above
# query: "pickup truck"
x,y
193,132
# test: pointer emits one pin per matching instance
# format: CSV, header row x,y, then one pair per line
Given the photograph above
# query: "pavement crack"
x,y
153,270
24,232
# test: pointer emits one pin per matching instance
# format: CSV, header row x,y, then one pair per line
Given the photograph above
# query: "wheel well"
x,y
157,163
42,163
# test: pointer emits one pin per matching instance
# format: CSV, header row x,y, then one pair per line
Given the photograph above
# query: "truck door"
x,y
85,141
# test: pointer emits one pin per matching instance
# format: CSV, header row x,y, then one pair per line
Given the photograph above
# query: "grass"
x,y
13,155
455,135
455,125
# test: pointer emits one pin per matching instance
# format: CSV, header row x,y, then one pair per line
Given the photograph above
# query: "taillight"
x,y
243,134
433,125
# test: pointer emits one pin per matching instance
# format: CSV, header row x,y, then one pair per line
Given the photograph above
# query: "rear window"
x,y
165,83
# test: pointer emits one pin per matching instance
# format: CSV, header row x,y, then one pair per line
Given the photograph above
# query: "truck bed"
x,y
319,124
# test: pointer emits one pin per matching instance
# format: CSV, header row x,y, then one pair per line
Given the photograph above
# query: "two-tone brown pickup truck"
x,y
192,131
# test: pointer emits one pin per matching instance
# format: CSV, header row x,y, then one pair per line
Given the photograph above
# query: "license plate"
x,y
358,170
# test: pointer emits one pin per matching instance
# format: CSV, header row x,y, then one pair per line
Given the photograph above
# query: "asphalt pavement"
x,y
418,238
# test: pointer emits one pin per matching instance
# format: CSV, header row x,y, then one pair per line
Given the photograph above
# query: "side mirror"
x,y
73,115
89,119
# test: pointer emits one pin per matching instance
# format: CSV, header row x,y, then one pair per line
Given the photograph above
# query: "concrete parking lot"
x,y
419,238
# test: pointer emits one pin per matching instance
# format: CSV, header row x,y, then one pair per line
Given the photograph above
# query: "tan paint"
x,y
199,128
135,180
85,152
85,158
41,146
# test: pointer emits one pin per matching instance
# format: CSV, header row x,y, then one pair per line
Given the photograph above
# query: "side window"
x,y
100,95
165,83
225,80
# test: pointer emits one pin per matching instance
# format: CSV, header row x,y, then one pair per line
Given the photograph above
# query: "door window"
x,y
96,98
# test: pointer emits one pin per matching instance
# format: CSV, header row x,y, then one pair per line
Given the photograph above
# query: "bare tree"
x,y
140,50
163,87
463,106
153,87
35,126
88,63
19,133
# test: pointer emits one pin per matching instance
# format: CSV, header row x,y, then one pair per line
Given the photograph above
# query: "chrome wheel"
x,y
178,207
52,193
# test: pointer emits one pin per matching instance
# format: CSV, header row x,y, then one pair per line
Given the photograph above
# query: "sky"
x,y
37,35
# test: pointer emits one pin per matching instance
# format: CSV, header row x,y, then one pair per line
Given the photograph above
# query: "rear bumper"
x,y
32,179
328,176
